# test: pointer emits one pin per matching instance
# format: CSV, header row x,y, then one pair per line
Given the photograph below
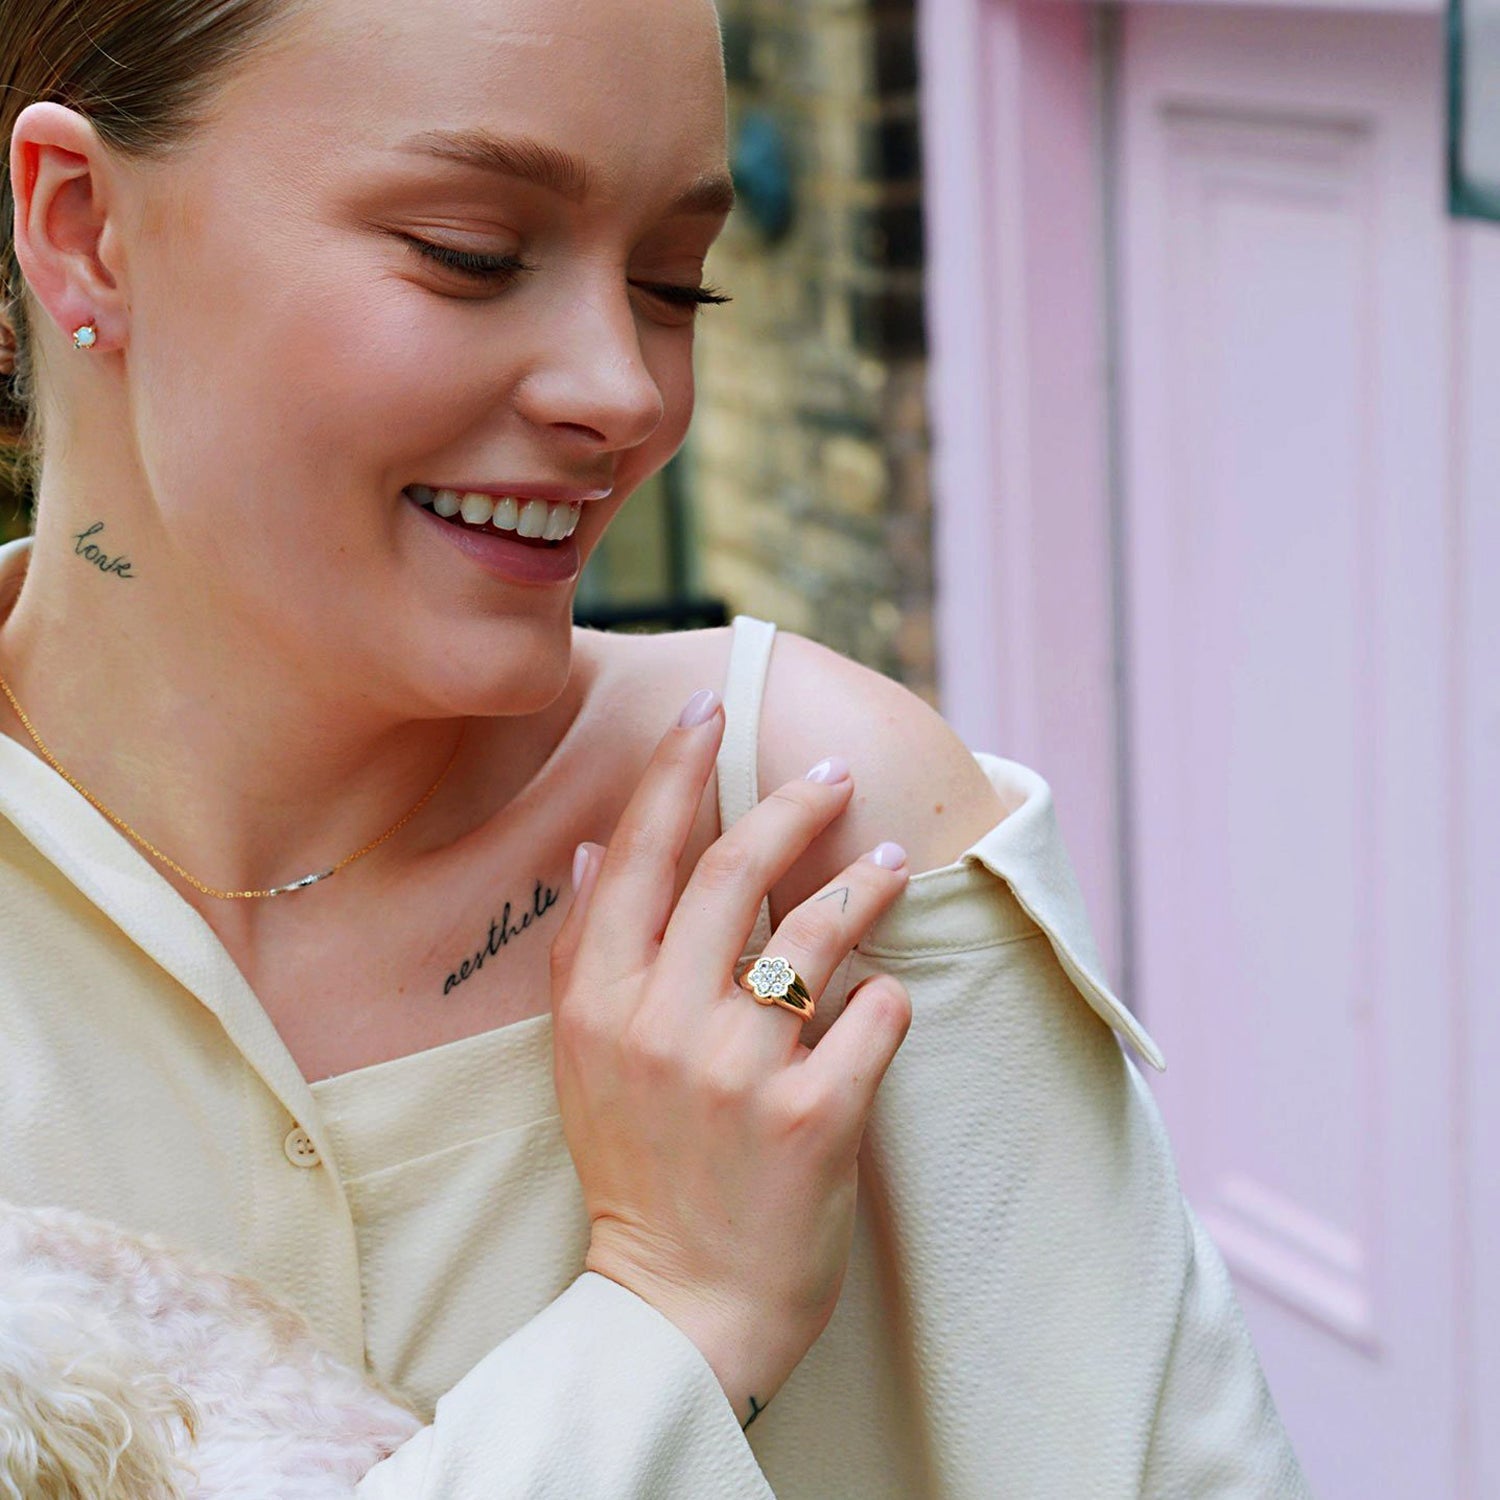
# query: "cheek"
x,y
307,393
372,380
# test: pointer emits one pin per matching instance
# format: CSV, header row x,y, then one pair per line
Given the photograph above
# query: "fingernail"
x,y
834,768
580,864
699,708
888,856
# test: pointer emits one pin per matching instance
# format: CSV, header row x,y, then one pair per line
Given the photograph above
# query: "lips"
x,y
507,555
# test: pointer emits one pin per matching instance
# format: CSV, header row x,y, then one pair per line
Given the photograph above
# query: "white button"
x,y
299,1148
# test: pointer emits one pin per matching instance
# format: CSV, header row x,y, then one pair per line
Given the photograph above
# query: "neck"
x,y
244,767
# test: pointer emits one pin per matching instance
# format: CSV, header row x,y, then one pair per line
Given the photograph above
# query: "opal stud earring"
x,y
84,336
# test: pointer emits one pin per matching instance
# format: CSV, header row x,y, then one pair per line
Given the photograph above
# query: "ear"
x,y
61,177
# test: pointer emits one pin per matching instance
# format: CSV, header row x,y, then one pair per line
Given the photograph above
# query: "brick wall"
x,y
808,452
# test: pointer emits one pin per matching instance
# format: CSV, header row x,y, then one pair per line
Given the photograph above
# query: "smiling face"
x,y
299,354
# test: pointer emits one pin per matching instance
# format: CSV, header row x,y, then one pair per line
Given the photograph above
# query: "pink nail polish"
x,y
580,864
834,768
699,708
888,856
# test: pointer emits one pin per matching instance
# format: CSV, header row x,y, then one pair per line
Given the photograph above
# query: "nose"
x,y
591,377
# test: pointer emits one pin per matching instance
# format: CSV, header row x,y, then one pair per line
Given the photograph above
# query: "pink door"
x,y
1283,273
1216,411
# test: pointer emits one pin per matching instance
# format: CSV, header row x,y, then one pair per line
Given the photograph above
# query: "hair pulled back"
x,y
142,72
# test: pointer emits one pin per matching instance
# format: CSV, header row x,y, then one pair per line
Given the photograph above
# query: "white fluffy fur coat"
x,y
133,1371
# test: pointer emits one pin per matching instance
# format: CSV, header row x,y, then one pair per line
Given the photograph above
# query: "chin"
x,y
489,668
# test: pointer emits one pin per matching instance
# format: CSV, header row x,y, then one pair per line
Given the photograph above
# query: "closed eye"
x,y
698,295
505,268
484,267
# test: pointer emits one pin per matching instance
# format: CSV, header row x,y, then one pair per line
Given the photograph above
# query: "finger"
x,y
853,1055
637,877
585,877
719,904
815,938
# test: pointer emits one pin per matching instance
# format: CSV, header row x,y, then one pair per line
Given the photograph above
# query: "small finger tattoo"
x,y
841,890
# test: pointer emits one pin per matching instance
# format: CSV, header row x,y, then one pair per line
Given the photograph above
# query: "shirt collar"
x,y
1026,850
955,908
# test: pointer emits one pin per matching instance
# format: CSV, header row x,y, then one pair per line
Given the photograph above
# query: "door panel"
x,y
1477,374
1282,277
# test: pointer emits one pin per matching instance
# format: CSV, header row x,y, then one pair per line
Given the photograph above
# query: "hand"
x,y
717,1152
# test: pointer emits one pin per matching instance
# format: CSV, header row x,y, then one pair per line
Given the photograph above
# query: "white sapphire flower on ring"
x,y
773,981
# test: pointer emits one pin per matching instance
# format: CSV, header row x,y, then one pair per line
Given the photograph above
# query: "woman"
x,y
306,299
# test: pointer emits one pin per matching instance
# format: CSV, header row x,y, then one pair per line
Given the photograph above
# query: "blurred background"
x,y
1114,376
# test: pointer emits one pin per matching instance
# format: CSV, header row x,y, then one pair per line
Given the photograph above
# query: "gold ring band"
x,y
773,981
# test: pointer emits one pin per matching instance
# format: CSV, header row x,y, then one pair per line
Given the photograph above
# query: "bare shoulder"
x,y
915,780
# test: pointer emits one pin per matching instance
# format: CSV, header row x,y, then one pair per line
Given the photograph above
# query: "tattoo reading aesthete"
x,y
502,930
119,565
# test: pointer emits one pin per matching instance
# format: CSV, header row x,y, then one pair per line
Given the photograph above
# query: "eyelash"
x,y
504,267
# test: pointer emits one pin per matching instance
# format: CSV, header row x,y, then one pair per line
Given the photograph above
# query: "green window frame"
x,y
1474,108
644,574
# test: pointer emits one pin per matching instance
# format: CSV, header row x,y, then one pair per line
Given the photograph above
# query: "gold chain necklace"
x,y
171,864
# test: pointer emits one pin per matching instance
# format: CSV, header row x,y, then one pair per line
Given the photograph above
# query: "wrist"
x,y
749,1359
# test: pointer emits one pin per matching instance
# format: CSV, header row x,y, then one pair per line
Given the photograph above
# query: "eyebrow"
x,y
551,167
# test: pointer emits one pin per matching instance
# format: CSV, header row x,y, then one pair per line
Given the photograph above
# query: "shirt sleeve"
x,y
1068,1327
1217,1433
599,1395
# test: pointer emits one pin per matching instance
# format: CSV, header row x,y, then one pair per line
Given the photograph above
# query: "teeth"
x,y
475,508
530,518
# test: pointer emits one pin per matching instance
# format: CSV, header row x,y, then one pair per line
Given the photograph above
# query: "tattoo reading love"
x,y
119,565
502,930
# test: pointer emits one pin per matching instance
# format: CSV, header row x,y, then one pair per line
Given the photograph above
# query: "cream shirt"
x,y
1031,1309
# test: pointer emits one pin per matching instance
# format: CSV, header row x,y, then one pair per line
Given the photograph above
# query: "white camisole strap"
x,y
739,789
